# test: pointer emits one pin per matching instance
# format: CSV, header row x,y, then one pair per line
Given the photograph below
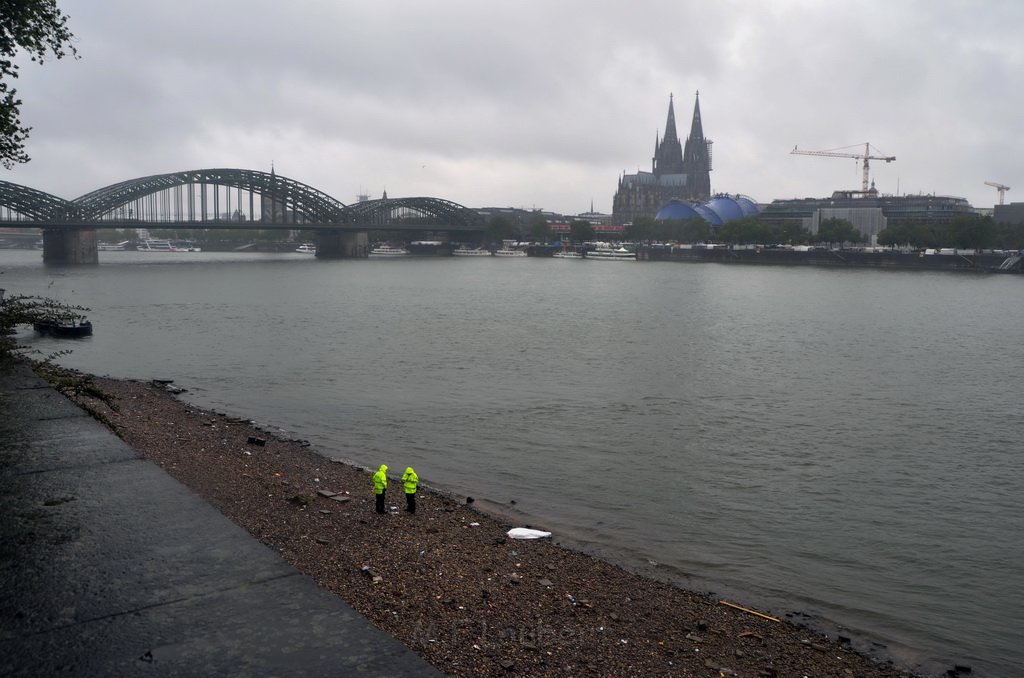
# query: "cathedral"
x,y
677,171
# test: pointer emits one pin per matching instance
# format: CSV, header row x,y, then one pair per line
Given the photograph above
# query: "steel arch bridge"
x,y
223,199
398,213
187,196
33,205
199,198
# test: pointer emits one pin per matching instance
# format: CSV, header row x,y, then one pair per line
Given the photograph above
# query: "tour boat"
x,y
383,250
567,254
306,248
609,254
470,252
151,245
112,247
506,252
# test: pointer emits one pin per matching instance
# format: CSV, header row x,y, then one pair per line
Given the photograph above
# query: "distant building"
x,y
869,212
677,171
1009,214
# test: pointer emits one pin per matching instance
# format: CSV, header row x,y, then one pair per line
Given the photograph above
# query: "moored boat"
x,y
64,327
609,254
153,245
470,252
112,247
567,254
385,250
509,252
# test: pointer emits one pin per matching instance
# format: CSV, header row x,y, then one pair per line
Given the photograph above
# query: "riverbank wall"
x,y
977,263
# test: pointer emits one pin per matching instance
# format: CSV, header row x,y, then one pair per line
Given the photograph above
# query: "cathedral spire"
x,y
670,126
696,129
668,155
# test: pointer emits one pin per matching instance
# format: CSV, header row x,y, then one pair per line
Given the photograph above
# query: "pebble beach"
x,y
448,581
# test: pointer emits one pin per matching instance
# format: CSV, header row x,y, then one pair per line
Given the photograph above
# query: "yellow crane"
x,y
838,153
999,187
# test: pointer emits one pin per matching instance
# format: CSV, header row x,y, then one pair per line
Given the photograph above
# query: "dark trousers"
x,y
410,502
380,503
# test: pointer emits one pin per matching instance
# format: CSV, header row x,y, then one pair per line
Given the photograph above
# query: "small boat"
x,y
470,252
384,250
152,245
112,247
73,327
306,248
609,254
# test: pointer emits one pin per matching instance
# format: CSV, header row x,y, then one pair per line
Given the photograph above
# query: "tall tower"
x,y
668,154
676,172
697,158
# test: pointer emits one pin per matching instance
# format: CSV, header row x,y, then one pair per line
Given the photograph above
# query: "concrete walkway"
x,y
108,566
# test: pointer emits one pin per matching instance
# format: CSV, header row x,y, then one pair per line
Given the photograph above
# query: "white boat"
x,y
609,254
306,248
470,252
505,252
152,245
112,247
567,254
388,251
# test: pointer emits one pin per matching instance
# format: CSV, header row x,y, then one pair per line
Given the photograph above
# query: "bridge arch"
x,y
32,205
418,211
286,194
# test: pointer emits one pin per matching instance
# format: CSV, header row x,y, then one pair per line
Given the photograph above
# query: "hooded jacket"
x,y
380,479
410,480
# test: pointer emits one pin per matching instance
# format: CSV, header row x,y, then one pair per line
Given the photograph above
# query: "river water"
x,y
841,444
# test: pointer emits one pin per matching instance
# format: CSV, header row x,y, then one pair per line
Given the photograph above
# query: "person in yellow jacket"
x,y
380,485
411,481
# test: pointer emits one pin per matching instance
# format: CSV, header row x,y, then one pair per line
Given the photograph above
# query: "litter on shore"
x,y
527,533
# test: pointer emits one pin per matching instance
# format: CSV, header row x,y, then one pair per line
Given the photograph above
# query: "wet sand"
x,y
447,581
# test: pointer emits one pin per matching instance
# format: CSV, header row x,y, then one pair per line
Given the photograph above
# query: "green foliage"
x,y
965,232
539,228
791,234
36,27
837,231
499,227
748,230
581,231
24,310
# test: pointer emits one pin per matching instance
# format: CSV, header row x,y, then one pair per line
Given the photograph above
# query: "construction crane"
x,y
999,187
836,153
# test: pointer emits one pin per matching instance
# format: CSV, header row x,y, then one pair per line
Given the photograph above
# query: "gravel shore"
x,y
447,581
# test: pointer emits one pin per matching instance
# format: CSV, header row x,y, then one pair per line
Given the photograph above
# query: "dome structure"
x,y
719,210
676,209
748,206
708,215
726,208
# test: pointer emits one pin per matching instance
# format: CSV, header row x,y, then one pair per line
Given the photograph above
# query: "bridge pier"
x,y
337,244
67,247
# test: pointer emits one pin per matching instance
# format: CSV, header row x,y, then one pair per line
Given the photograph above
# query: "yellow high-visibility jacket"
x,y
380,480
410,480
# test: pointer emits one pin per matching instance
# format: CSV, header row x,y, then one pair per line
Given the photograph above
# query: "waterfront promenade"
x,y
108,566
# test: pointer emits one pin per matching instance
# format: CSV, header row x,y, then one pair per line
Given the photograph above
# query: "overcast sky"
x,y
536,104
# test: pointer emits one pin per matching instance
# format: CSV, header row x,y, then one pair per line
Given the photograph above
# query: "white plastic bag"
x,y
527,533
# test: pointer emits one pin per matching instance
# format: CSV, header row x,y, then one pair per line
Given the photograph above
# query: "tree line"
x,y
964,232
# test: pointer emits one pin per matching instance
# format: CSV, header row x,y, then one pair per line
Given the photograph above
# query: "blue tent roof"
x,y
676,209
726,208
